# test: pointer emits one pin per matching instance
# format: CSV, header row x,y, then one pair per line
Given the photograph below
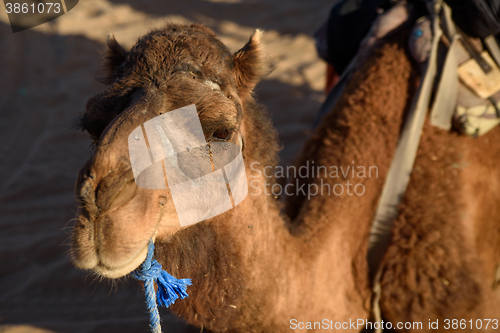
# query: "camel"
x,y
251,272
255,269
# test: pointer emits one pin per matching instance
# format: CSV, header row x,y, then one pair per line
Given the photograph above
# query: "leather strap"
x,y
492,46
399,173
445,98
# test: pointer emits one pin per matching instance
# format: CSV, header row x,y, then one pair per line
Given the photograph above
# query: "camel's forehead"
x,y
169,66
175,46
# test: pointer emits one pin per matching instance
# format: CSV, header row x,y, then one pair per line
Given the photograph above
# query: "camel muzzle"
x,y
103,238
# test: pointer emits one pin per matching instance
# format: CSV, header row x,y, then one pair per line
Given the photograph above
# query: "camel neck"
x,y
350,152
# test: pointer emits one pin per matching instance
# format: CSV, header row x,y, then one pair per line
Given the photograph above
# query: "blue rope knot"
x,y
145,274
169,287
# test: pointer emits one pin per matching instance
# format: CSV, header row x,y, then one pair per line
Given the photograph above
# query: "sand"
x,y
46,75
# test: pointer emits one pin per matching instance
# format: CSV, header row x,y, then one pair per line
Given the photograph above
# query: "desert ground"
x,y
46,75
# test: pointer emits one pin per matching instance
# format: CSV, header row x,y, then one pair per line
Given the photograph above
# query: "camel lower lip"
x,y
117,272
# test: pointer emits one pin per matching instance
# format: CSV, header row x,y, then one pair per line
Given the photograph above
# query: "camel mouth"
x,y
89,258
114,272
122,270
90,253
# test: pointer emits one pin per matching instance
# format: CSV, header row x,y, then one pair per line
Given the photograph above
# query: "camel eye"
x,y
223,134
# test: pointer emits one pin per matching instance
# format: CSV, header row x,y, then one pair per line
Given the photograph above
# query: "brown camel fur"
x,y
252,268
250,272
445,243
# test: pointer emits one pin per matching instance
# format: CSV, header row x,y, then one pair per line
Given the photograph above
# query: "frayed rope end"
x,y
170,289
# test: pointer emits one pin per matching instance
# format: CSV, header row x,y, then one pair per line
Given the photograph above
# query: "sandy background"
x,y
46,76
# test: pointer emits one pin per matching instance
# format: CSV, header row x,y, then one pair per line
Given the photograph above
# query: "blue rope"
x,y
169,288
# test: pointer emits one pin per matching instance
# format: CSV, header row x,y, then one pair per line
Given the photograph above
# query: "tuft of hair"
x,y
250,65
112,60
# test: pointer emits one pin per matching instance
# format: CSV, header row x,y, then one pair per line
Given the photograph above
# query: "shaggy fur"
x,y
445,245
362,130
446,240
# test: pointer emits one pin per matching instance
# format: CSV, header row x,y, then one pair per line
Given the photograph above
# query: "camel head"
x,y
167,69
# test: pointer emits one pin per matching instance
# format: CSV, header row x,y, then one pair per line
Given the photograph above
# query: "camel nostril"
x,y
87,196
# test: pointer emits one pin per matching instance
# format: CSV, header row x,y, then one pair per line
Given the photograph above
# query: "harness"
x,y
463,90
480,74
399,172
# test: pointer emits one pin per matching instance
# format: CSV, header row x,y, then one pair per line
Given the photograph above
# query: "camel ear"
x,y
249,64
112,59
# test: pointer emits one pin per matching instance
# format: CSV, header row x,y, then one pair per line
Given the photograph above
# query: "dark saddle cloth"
x,y
349,21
